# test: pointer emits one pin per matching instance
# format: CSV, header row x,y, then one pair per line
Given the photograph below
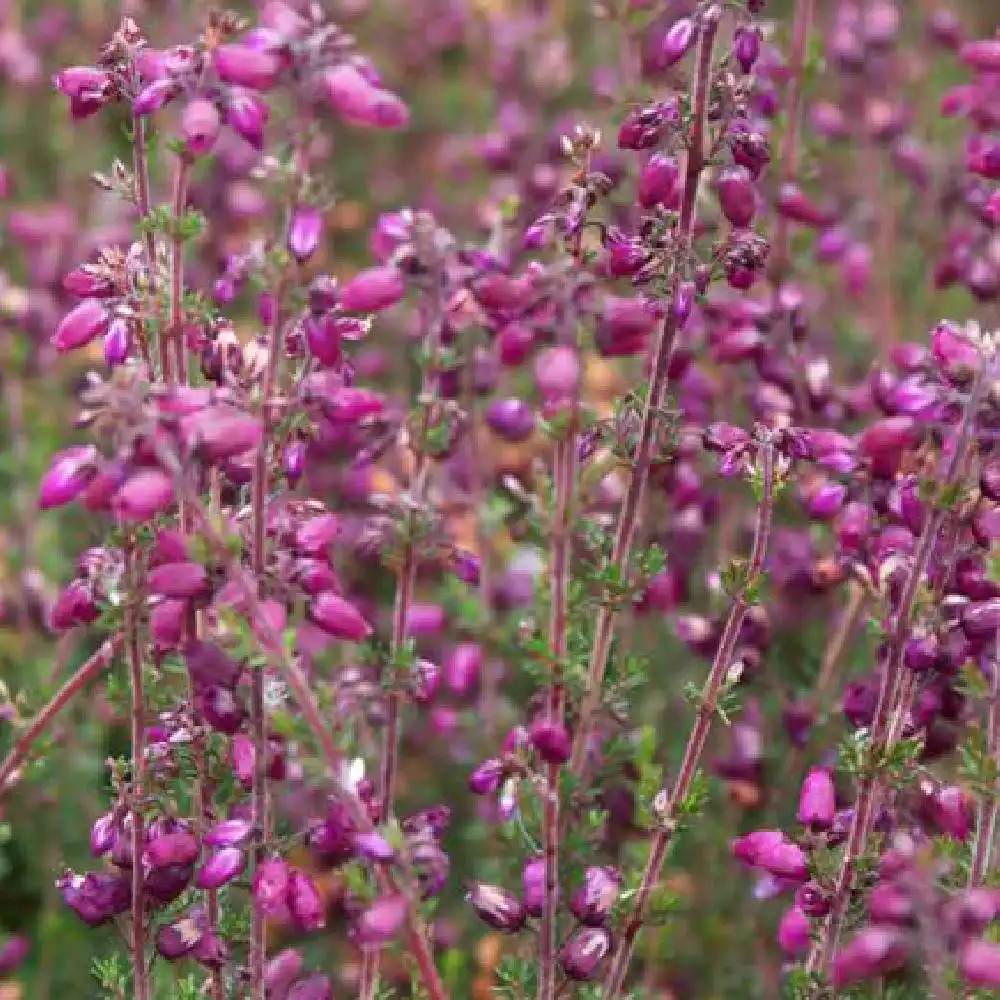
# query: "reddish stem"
x,y
175,331
660,359
564,463
140,972
41,723
669,813
986,824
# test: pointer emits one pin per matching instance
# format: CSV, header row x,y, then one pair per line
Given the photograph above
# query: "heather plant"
x,y
523,525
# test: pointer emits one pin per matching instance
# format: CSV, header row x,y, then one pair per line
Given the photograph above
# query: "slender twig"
x,y
43,720
140,971
668,814
175,330
986,819
564,463
661,356
869,788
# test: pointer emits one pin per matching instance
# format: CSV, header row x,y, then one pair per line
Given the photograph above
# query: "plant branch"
x,y
98,662
669,814
660,359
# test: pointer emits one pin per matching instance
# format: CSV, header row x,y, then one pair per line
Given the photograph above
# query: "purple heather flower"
x,y
281,971
372,290
82,324
305,902
817,800
581,956
271,883
677,41
244,66
221,867
69,473
179,580
486,778
176,940
497,907
379,924
338,617
354,97
200,125
658,182
228,833
533,885
246,114
313,987
873,952
87,88
737,197
145,494
746,47
75,605
116,342
592,902
980,965
305,232
551,740
794,932
13,952
155,96
510,419
95,897
177,848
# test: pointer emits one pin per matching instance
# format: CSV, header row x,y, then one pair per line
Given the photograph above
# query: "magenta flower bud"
x,y
581,956
817,800
497,907
872,953
533,885
247,114
314,987
486,778
178,848
373,289
557,373
677,41
356,100
391,231
220,432
425,621
179,580
280,972
166,884
155,96
246,67
979,963
380,923
176,940
103,834
69,474
166,622
884,442
271,884
207,664
957,356
87,88
82,284
293,461
794,932
983,54
510,419
736,196
228,833
145,494
953,812
626,326
221,709
592,902
463,667
74,606
82,324
315,536
827,501
888,904
339,617
306,903
372,846
200,125
305,232
550,740
658,182
746,47
221,868
981,619
795,205
515,342
13,953
116,343
95,897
